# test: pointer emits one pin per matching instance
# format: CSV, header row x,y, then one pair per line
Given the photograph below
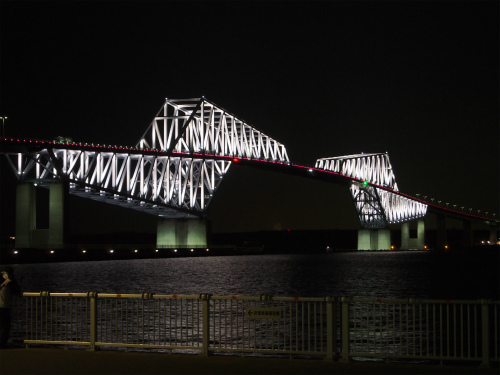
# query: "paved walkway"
x,y
80,361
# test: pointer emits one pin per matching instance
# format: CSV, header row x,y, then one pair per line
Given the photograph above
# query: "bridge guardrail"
x,y
329,327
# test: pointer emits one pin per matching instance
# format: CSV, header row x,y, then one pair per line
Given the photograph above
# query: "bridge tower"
x,y
173,171
377,199
202,131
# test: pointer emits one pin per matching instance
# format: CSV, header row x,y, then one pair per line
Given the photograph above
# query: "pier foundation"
x,y
413,243
374,239
172,233
441,240
28,235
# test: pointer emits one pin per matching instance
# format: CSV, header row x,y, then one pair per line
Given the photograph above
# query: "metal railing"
x,y
330,327
421,329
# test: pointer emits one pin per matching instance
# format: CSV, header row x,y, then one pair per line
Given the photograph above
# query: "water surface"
x,y
362,274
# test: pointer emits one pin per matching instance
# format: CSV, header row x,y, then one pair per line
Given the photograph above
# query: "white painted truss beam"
x,y
199,126
178,184
375,168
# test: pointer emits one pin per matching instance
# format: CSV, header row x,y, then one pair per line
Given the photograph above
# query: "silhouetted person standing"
x,y
9,289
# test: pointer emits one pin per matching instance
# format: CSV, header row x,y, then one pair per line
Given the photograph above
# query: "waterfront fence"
x,y
329,327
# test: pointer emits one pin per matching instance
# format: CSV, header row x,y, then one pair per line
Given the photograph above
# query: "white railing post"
x,y
331,327
93,319
485,337
206,324
344,330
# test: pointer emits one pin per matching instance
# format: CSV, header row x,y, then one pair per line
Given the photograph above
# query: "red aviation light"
x,y
236,160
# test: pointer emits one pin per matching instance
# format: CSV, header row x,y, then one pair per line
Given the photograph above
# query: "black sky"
x,y
417,79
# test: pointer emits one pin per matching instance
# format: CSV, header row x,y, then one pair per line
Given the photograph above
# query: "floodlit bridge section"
x,y
173,172
168,185
373,190
199,126
176,168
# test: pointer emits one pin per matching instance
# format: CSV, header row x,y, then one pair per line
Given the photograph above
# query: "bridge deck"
x,y
26,146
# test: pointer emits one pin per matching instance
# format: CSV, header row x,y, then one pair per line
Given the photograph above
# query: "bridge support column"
x,y
384,239
25,215
467,225
172,233
27,233
441,232
375,239
57,215
405,236
420,234
416,243
364,241
494,234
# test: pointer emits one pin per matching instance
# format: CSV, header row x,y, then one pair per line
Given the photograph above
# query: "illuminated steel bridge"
x,y
376,207
179,162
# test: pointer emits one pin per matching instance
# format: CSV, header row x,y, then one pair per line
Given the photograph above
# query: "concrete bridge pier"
x,y
409,243
28,235
441,240
172,233
374,239
494,228
467,225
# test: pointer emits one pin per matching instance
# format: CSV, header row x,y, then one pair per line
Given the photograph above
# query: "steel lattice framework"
x,y
170,186
199,126
373,194
173,172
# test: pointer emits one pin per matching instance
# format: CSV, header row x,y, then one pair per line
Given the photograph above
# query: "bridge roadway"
x,y
39,360
26,146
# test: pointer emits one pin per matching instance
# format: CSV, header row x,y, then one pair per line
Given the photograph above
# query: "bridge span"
x,y
177,166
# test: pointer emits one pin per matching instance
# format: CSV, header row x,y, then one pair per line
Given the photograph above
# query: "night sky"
x,y
419,80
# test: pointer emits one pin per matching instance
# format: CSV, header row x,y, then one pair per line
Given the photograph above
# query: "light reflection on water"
x,y
362,274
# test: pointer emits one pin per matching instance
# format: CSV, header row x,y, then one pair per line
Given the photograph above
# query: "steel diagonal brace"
x,y
57,164
379,201
185,125
44,162
26,166
373,196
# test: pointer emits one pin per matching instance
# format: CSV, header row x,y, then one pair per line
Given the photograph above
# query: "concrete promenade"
x,y
79,361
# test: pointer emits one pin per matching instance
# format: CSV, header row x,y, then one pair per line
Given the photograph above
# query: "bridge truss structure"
x,y
373,189
199,126
173,171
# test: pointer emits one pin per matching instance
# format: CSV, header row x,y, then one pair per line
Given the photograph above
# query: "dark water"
x,y
362,274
